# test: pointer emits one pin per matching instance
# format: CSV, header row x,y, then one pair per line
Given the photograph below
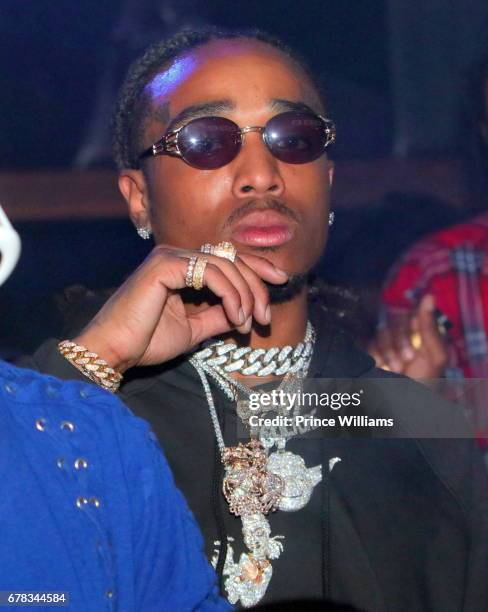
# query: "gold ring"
x,y
189,271
198,271
416,340
226,250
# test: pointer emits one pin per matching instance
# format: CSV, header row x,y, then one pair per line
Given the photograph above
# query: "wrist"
x,y
96,344
91,365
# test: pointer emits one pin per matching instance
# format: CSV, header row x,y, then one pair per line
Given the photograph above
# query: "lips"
x,y
263,228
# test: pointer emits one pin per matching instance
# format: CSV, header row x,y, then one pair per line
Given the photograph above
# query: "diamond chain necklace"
x,y
255,484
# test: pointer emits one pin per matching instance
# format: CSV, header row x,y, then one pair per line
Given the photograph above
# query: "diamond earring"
x,y
331,217
144,232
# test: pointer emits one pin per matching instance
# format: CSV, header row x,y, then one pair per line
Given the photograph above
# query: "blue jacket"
x,y
88,504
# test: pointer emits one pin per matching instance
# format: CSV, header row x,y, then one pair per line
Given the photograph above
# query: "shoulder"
x,y
93,413
53,418
473,232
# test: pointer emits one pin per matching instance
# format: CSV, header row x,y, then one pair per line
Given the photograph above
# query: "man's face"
x,y
260,204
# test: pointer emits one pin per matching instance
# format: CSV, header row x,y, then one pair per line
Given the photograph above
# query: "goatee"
x,y
278,294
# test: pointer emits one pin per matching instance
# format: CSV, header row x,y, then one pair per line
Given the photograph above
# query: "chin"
x,y
279,294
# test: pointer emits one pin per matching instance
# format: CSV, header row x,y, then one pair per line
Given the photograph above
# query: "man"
x,y
450,265
379,523
91,518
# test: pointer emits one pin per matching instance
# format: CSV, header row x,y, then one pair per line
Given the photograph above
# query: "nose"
x,y
256,170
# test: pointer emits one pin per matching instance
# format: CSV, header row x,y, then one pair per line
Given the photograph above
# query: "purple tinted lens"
x,y
209,142
296,137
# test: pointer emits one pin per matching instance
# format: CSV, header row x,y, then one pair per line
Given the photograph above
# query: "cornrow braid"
x,y
132,107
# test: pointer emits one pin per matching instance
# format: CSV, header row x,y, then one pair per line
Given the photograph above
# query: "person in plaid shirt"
x,y
447,270
452,266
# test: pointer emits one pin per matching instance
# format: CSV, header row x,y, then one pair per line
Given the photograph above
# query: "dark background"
x,y
57,55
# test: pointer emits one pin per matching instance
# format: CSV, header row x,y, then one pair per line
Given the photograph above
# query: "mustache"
x,y
261,205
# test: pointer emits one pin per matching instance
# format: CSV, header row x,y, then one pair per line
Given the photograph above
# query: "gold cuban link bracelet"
x,y
91,365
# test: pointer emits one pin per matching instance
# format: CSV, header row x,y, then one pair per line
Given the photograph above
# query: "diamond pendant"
x,y
248,579
299,481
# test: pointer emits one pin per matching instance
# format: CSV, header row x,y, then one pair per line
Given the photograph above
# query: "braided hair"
x,y
133,107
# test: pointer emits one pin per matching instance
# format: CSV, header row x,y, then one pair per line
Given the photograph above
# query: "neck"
x,y
287,327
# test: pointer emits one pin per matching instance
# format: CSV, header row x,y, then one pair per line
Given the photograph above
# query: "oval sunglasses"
x,y
294,137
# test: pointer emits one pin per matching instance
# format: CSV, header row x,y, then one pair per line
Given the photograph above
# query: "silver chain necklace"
x,y
255,482
258,362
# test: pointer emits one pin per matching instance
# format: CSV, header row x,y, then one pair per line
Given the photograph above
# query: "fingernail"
x,y
242,316
281,272
267,314
246,328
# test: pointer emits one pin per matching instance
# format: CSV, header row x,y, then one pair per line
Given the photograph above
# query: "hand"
x,y
145,322
411,345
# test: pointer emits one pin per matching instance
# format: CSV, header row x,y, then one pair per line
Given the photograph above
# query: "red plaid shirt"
x,y
451,265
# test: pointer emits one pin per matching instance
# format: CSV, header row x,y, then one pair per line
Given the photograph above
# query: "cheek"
x,y
316,198
181,197
309,184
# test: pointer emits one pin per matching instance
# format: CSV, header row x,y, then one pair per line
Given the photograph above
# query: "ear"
x,y
132,185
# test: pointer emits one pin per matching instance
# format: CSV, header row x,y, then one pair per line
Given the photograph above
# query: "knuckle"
x,y
234,295
248,304
221,262
162,250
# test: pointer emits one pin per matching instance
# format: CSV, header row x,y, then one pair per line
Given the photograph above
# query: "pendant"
x,y
249,487
247,580
243,411
299,481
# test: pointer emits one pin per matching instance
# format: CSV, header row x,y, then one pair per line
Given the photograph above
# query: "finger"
x,y
387,351
433,343
170,266
235,276
415,337
219,284
249,282
264,268
400,333
262,310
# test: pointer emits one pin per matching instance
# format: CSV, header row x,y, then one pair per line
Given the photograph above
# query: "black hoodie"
x,y
400,523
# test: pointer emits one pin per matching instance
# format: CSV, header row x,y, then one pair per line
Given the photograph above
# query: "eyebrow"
x,y
282,105
206,109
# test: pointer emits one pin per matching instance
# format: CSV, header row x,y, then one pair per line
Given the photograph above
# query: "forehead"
x,y
245,71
